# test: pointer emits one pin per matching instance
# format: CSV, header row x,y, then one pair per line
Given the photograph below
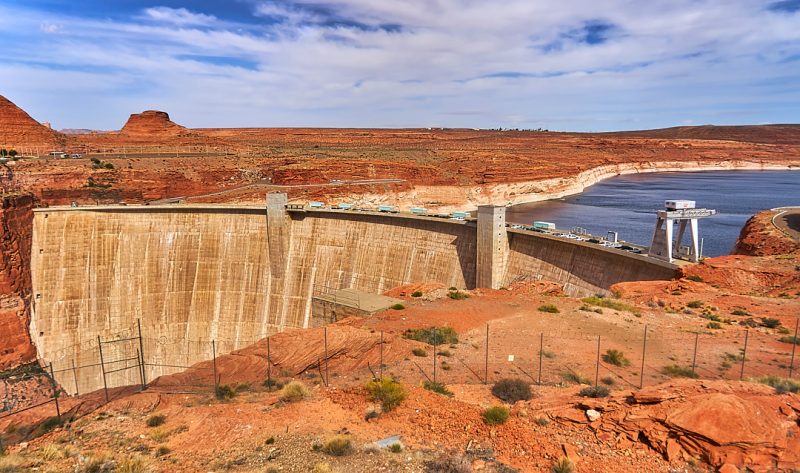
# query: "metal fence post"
x,y
597,367
141,350
55,391
434,356
269,368
541,353
327,375
140,361
214,354
794,346
102,366
75,377
744,353
486,360
644,350
381,367
694,356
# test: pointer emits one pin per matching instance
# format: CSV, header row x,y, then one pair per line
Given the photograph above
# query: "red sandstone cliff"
x,y
759,237
19,130
16,220
151,123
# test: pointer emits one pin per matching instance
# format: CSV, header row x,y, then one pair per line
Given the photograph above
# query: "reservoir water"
x,y
627,204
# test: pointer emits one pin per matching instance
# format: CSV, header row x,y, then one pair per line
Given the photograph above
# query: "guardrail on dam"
x,y
195,273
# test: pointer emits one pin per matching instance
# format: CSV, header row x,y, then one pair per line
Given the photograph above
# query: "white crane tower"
x,y
683,212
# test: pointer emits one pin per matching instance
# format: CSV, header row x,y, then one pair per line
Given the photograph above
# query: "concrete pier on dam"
x,y
190,274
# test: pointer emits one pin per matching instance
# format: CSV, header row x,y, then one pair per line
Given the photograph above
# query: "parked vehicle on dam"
x,y
544,225
387,209
344,206
316,205
459,215
419,210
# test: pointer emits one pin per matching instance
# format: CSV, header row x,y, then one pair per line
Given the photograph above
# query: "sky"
x,y
568,65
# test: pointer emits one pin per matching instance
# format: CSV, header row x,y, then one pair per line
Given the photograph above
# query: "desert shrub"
x,y
694,304
676,371
770,323
108,166
595,391
781,385
452,463
446,366
295,391
512,390
549,308
416,294
432,335
611,304
156,420
224,392
444,353
616,358
159,435
575,378
694,277
321,467
134,464
495,415
740,312
564,465
457,295
395,448
608,381
398,307
163,450
272,383
269,441
11,464
542,421
387,391
749,322
437,387
338,445
714,325
419,352
790,339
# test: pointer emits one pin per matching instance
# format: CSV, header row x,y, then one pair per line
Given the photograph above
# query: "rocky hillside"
x,y
151,123
760,237
18,129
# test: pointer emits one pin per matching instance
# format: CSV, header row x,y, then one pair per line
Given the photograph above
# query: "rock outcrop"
x,y
760,237
16,217
19,130
151,123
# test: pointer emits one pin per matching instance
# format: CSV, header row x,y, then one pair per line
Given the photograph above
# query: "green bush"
x,y
611,304
575,378
457,295
740,312
694,304
616,358
156,420
694,277
395,448
387,391
608,381
495,415
549,308
398,307
781,385
714,325
564,465
163,450
223,392
676,371
416,294
512,390
595,391
444,353
433,335
438,388
108,166
770,323
419,352
794,340
338,446
295,391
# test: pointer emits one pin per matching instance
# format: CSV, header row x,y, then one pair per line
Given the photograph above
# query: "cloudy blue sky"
x,y
564,65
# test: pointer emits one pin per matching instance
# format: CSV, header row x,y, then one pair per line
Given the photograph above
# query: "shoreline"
x,y
467,198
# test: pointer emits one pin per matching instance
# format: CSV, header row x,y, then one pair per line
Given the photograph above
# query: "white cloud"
x,y
420,63
50,28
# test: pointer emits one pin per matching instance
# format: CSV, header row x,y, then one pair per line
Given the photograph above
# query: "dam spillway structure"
x,y
683,212
235,274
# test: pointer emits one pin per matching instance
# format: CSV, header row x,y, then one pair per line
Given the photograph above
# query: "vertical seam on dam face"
x,y
197,274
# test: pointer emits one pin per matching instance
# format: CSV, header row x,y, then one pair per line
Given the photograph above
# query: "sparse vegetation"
x,y
495,415
595,391
444,353
616,358
224,392
295,391
387,391
457,295
159,435
156,420
433,335
448,463
781,385
770,323
542,421
790,339
575,378
46,426
163,450
419,352
398,307
564,465
446,366
740,312
416,294
512,390
11,464
608,381
133,464
437,387
395,448
694,304
612,304
549,308
676,371
694,277
714,325
338,446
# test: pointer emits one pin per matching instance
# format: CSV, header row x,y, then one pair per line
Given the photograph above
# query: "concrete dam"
x,y
190,274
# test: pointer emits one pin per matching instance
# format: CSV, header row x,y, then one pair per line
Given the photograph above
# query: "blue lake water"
x,y
627,204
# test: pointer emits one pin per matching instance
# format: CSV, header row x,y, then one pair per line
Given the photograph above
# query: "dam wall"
x,y
191,274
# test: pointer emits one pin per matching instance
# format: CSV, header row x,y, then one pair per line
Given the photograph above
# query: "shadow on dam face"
x,y
192,274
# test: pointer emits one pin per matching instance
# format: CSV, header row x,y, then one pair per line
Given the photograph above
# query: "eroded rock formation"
x,y
18,129
151,123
